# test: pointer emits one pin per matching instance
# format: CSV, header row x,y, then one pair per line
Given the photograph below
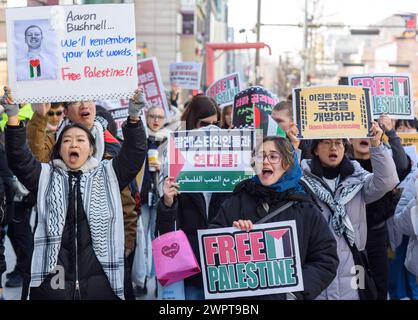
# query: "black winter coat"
x,y
76,255
317,246
7,189
189,214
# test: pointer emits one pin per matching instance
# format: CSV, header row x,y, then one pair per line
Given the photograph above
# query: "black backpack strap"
x,y
275,212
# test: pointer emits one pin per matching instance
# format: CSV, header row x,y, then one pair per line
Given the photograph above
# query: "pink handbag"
x,y
174,259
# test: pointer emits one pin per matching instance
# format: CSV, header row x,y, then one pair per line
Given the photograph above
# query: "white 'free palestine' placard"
x,y
71,53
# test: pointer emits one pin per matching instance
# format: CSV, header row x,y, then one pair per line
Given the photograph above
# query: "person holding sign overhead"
x,y
41,143
342,188
276,185
79,238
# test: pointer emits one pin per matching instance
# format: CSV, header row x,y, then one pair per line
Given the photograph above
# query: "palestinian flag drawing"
x,y
34,68
262,120
278,244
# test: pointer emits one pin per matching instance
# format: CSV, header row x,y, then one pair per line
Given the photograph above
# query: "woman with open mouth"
x,y
79,238
342,188
276,186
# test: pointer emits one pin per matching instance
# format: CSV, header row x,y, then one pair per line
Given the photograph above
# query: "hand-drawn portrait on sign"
x,y
36,48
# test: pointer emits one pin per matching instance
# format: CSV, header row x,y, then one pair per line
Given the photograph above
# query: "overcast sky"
x,y
243,14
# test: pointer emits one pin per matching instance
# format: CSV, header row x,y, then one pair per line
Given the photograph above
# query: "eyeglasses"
x,y
52,113
329,143
273,157
155,117
205,123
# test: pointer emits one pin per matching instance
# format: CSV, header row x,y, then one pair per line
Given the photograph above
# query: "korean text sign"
x,y
392,93
210,160
237,263
243,109
72,53
186,75
332,112
149,79
224,90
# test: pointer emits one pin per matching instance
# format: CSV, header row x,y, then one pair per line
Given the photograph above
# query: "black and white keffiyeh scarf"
x,y
340,220
103,207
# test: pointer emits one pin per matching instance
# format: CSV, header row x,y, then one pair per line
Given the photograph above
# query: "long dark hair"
x,y
200,107
56,149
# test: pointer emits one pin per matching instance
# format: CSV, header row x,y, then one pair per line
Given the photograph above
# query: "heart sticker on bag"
x,y
171,251
34,63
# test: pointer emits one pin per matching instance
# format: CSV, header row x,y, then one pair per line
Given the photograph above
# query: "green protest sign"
x,y
210,159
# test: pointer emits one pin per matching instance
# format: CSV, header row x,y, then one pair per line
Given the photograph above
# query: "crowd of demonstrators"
x,y
190,211
382,209
277,184
342,189
78,208
342,195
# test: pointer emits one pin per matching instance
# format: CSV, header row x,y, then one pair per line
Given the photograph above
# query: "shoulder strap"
x,y
354,251
275,212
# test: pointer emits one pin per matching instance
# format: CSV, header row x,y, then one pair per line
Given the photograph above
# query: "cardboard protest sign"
x,y
392,93
332,112
224,90
210,160
71,53
149,78
242,114
264,261
186,75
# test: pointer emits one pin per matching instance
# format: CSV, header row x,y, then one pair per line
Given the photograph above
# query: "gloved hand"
x,y
137,103
10,108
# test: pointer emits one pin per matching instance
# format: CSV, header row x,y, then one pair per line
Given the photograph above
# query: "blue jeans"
x,y
402,283
149,218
